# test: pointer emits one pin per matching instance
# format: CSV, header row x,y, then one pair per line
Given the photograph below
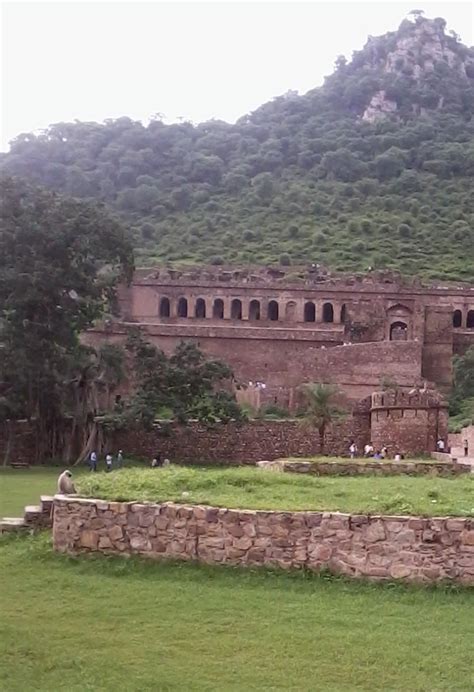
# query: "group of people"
x,y
109,461
371,453
118,461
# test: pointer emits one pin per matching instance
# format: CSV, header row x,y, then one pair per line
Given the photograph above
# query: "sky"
x,y
62,61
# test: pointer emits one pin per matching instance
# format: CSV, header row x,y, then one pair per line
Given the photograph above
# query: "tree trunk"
x,y
322,433
9,439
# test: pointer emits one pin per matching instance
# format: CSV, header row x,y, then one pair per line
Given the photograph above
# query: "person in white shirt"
x,y
353,450
108,462
368,450
440,445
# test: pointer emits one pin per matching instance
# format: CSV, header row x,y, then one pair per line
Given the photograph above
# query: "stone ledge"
x,y
384,547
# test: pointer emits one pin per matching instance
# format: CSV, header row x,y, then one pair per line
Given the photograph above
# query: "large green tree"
x,y
60,263
187,384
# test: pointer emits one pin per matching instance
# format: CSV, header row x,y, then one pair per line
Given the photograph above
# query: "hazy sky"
x,y
198,60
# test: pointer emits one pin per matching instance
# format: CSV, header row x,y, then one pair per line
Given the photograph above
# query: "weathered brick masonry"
x,y
240,443
284,327
377,547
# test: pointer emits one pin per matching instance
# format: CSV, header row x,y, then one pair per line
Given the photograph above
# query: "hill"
x,y
375,168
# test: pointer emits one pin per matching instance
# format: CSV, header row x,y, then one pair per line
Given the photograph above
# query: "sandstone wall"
x,y
375,468
240,443
377,547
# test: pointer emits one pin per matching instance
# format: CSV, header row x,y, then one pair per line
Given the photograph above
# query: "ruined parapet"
x,y
408,422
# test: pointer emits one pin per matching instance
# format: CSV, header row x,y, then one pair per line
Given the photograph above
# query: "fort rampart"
x,y
415,549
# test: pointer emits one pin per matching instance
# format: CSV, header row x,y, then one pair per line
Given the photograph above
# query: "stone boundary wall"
x,y
376,547
243,443
374,468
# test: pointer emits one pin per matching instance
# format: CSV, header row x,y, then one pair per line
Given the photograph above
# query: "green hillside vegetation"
x,y
302,179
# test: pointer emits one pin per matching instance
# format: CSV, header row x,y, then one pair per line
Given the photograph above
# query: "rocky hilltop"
x,y
422,52
373,169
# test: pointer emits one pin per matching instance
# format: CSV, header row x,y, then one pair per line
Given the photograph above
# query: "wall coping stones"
x,y
383,547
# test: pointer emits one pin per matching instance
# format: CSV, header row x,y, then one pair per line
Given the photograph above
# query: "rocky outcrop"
x,y
416,51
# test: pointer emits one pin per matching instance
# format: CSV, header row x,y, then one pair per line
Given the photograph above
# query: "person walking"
x,y
352,450
108,462
466,447
93,461
119,459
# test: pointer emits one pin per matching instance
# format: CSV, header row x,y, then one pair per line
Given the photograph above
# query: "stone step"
x,y
46,503
32,513
8,524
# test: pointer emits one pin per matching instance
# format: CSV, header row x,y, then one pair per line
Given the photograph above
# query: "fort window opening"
x,y
290,311
165,307
328,312
343,314
254,310
457,319
470,319
398,331
236,309
273,310
218,309
182,307
200,308
309,312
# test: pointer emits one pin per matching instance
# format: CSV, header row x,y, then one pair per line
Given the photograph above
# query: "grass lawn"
x,y
258,489
24,487
104,624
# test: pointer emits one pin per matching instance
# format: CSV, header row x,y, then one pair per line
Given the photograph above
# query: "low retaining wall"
x,y
374,468
377,547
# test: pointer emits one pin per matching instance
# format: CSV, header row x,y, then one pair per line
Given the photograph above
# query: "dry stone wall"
x,y
375,468
376,547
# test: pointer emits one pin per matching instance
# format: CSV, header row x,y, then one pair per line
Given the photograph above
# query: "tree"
x,y
463,381
186,383
320,409
60,263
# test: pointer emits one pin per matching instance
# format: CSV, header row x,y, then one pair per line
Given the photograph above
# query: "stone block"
x,y
140,543
89,539
400,571
375,531
105,542
467,537
115,533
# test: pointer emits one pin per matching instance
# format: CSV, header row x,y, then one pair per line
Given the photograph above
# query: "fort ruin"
x,y
278,329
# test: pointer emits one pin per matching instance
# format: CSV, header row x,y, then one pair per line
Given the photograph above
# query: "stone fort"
x,y
280,327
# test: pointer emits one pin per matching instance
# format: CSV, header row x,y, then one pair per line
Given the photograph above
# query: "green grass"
x,y
19,488
79,624
257,489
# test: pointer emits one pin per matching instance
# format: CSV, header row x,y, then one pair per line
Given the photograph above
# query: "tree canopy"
x,y
60,262
187,385
395,192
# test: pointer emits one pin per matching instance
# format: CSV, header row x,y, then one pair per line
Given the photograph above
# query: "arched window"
x,y
182,307
254,310
236,309
328,312
309,312
200,308
273,310
218,309
165,307
290,311
398,331
457,319
343,314
470,319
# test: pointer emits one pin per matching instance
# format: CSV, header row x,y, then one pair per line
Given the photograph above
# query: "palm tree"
x,y
320,408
